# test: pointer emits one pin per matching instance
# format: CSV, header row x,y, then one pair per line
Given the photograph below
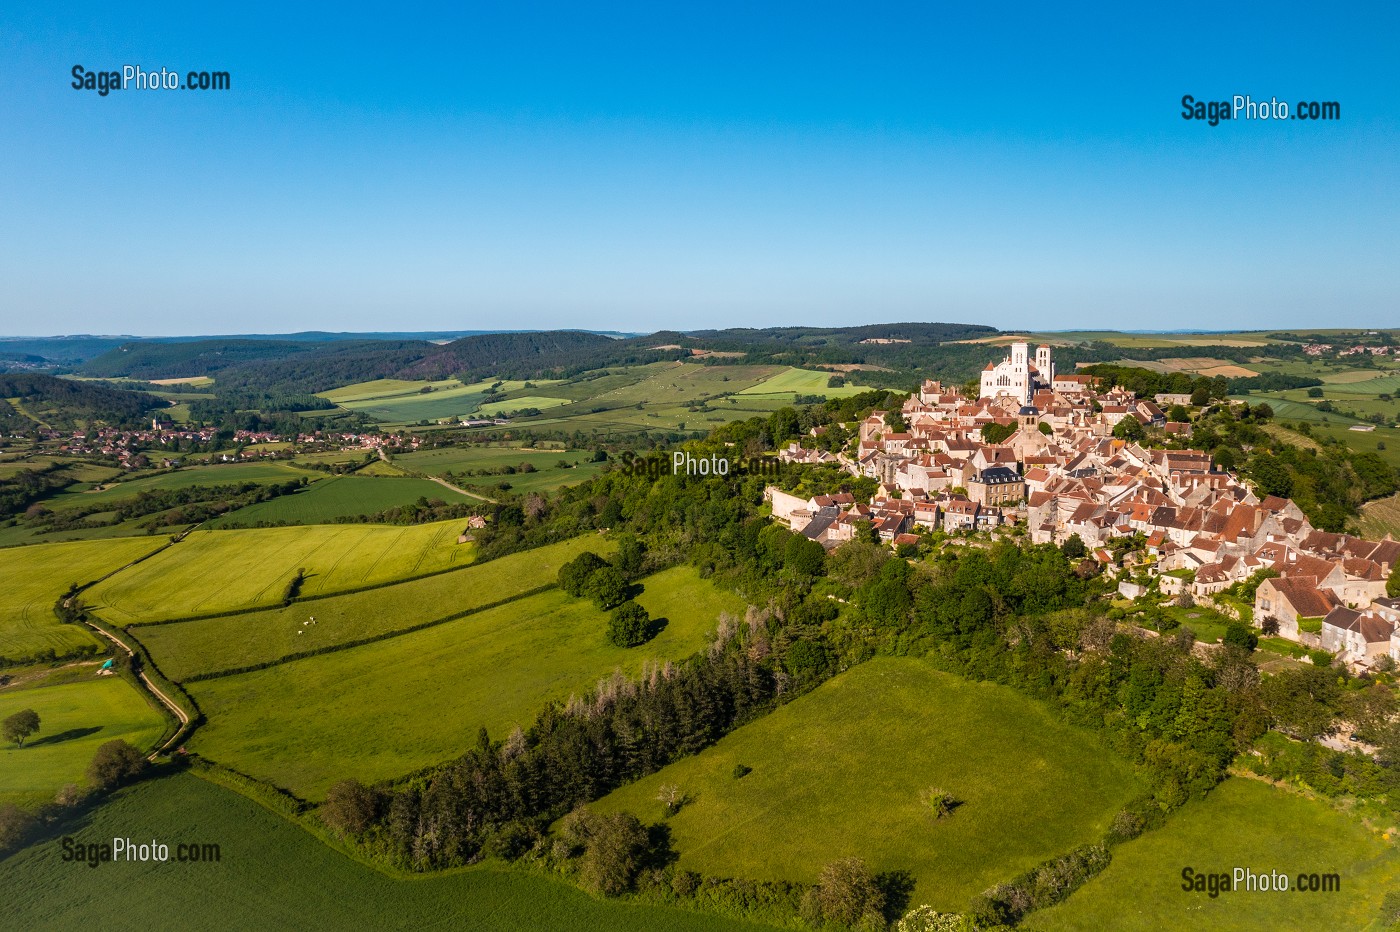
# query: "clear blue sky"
x,y
683,166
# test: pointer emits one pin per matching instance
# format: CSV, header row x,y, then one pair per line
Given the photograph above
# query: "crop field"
x,y
436,462
1154,340
230,642
1381,517
263,864
221,571
340,497
802,382
74,720
394,401
840,772
220,474
1242,823
36,576
394,706
519,402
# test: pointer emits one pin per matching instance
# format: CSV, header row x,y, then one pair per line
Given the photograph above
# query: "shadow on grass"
x,y
68,735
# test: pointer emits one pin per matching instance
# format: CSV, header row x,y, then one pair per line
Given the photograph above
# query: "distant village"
x,y
159,445
1062,473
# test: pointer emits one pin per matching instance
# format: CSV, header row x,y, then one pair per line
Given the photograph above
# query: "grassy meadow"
x,y
219,474
340,497
36,576
229,642
385,709
395,401
274,875
840,772
1242,823
75,718
221,571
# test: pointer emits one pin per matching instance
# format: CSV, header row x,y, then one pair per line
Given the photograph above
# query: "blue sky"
x,y
640,167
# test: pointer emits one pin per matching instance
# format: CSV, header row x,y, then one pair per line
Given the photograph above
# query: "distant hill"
x,y
29,399
151,360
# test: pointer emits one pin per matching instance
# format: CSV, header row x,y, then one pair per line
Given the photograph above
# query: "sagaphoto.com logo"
x,y
134,77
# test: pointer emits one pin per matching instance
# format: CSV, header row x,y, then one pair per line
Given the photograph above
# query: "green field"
x,y
1381,517
388,708
394,401
230,642
273,875
840,771
548,474
1242,823
220,474
220,571
802,382
74,718
36,576
341,497
519,402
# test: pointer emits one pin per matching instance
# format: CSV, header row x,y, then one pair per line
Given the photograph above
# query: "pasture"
x,y
211,572
395,401
36,576
229,642
265,863
388,708
1242,823
840,772
217,474
801,382
75,718
340,497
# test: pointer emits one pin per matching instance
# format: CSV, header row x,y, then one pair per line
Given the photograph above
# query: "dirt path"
x,y
447,485
151,687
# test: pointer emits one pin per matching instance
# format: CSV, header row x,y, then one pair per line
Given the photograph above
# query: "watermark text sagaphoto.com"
x,y
138,852
134,77
1244,107
1242,879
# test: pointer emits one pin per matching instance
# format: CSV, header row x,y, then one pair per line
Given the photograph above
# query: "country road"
x,y
146,681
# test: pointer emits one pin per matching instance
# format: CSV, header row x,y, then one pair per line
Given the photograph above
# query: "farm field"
x,y
801,382
211,572
519,402
1242,823
839,772
340,497
264,861
75,718
37,575
229,642
394,401
1381,517
548,474
394,706
220,474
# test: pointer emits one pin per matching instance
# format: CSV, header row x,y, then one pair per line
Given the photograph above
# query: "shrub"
x,y
15,825
940,803
740,771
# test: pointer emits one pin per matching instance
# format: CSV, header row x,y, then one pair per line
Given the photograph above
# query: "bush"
x,y
1320,658
740,771
629,625
115,763
1238,634
15,826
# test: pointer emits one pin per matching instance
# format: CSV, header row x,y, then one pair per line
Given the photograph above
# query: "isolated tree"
x,y
608,587
939,802
671,797
629,625
350,807
115,763
20,726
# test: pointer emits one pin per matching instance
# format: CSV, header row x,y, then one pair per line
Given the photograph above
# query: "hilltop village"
x,y
1062,470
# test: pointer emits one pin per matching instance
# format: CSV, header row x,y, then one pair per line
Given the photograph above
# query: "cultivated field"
x,y
228,642
262,870
394,401
389,708
1242,823
548,474
1381,517
840,772
341,497
221,571
801,382
75,719
36,576
221,474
